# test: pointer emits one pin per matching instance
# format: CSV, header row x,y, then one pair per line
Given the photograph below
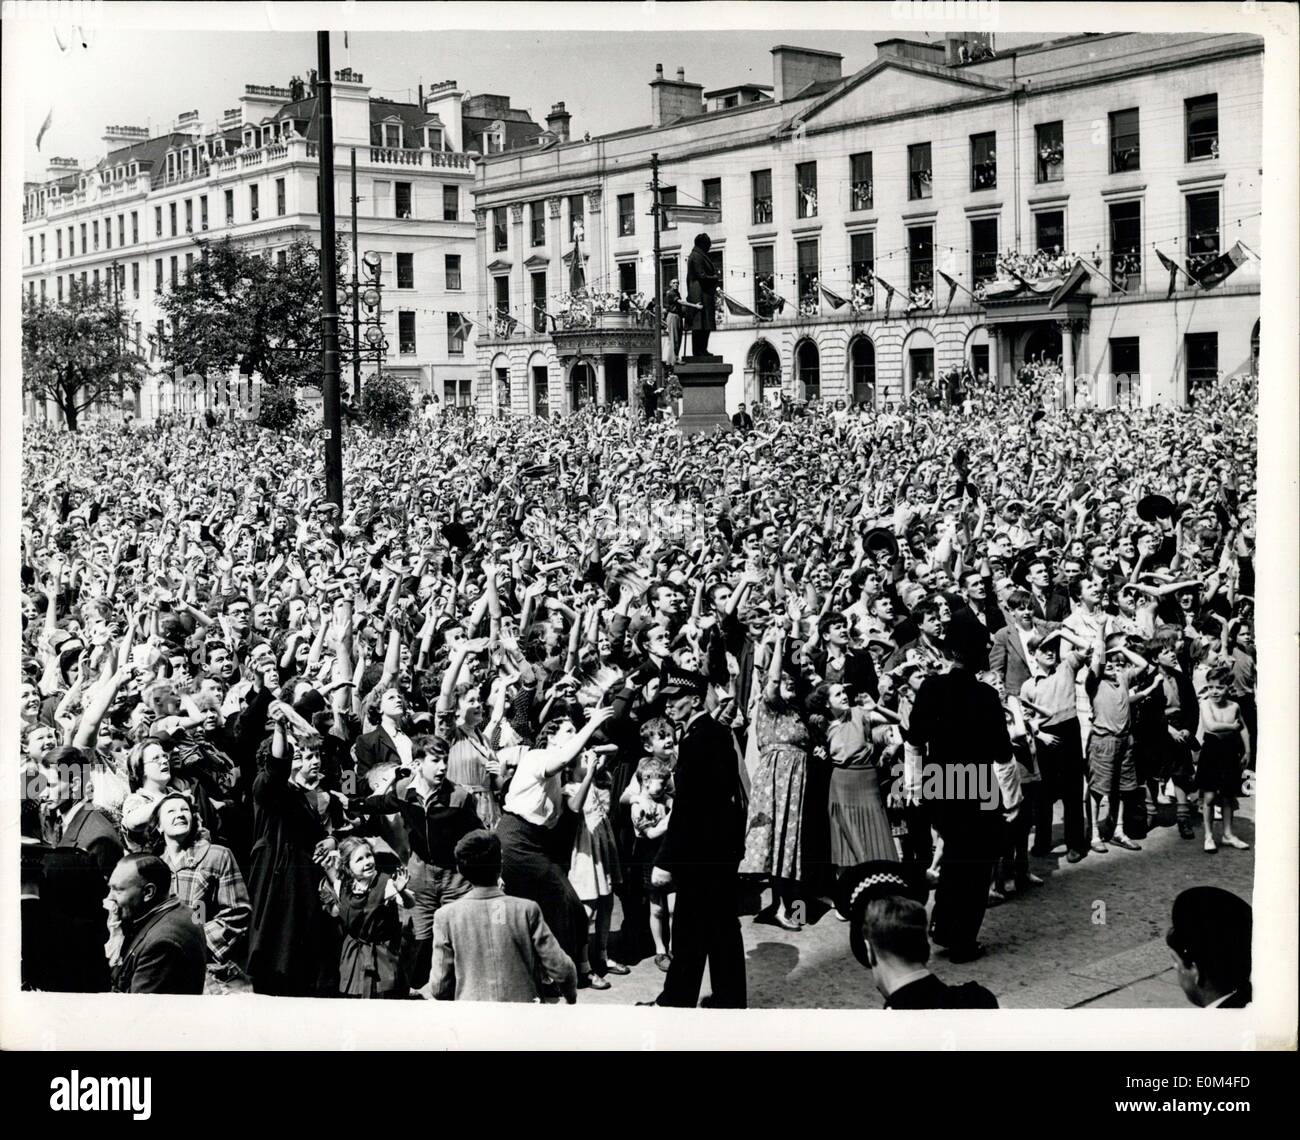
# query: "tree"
x,y
279,408
386,403
238,308
77,352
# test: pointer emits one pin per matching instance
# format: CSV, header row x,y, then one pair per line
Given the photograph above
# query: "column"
x,y
484,286
596,242
518,274
995,356
602,396
1067,359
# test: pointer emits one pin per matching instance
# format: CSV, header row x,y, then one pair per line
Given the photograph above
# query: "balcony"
x,y
177,177
404,156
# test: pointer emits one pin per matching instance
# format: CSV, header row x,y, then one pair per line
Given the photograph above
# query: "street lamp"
x,y
367,294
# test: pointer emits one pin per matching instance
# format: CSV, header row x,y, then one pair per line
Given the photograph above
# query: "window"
x,y
189,215
96,279
983,250
984,161
137,334
157,275
1126,244
406,271
920,174
42,288
405,333
121,229
189,264
402,199
920,258
455,335
72,243
807,364
58,288
31,250
58,245
805,177
157,223
94,230
452,263
860,189
171,214
1202,114
537,223
863,367
42,247
230,205
279,197
458,394
1201,351
862,253
577,212
541,391
1049,230
979,361
203,212
135,227
1126,367
1125,151
539,301
713,193
160,335
667,198
451,203
135,279
393,136
253,211
764,281
668,271
626,215
108,234
627,277
806,260
173,270
501,294
1049,140
715,255
500,235
1202,230
760,192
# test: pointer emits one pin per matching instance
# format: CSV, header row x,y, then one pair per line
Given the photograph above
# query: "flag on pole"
x,y
45,126
837,302
952,288
577,278
508,323
889,291
1174,270
1222,267
1109,281
464,327
736,309
1073,282
775,300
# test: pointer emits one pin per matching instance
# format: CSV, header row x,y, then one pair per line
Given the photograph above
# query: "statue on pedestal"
x,y
701,296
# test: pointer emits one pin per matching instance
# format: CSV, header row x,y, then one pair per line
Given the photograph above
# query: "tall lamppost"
x,y
366,294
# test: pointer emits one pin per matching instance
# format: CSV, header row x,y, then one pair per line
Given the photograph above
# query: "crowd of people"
x,y
547,697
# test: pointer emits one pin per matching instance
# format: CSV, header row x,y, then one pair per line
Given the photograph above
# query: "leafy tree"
x,y
238,308
386,403
279,408
78,352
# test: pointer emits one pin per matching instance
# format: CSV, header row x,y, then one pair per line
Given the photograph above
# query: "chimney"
x,y
674,98
115,137
557,122
60,167
444,100
794,68
911,49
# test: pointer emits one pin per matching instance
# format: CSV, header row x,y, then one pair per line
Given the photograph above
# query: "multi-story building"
x,y
141,212
936,158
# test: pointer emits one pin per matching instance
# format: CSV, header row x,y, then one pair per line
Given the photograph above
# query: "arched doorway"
x,y
807,369
582,381
862,371
1044,343
976,355
918,362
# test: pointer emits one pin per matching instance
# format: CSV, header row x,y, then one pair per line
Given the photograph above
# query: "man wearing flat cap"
x,y
884,905
701,852
1210,937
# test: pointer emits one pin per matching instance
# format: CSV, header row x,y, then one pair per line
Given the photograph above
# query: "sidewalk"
x,y
1140,978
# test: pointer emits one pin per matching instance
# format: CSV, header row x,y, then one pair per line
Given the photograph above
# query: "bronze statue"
x,y
701,296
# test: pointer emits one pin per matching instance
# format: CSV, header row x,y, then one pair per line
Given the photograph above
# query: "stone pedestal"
x,y
704,394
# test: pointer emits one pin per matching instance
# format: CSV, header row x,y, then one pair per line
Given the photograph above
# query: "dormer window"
x,y
393,135
248,138
433,138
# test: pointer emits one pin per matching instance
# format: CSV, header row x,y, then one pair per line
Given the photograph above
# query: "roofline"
x,y
806,51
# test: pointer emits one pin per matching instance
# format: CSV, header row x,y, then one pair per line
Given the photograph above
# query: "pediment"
x,y
891,86
498,266
537,261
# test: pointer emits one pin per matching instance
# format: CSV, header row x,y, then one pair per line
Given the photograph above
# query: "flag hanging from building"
x,y
45,126
506,323
736,309
889,290
774,299
837,302
952,288
1174,270
1073,282
1222,267
577,278
464,327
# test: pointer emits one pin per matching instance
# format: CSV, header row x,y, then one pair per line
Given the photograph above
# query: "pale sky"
x,y
129,67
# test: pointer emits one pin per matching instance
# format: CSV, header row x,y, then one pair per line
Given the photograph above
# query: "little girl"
x,y
593,866
1222,737
366,903
650,814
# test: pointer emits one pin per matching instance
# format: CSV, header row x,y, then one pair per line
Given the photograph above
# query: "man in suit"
x,y
490,946
377,755
884,904
742,420
701,852
1051,603
71,820
958,725
163,950
1210,936
1010,656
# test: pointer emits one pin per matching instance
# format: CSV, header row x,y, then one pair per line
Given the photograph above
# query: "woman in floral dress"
x,y
774,827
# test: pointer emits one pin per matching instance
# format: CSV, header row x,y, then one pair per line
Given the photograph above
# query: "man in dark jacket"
x,y
162,946
701,852
702,292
